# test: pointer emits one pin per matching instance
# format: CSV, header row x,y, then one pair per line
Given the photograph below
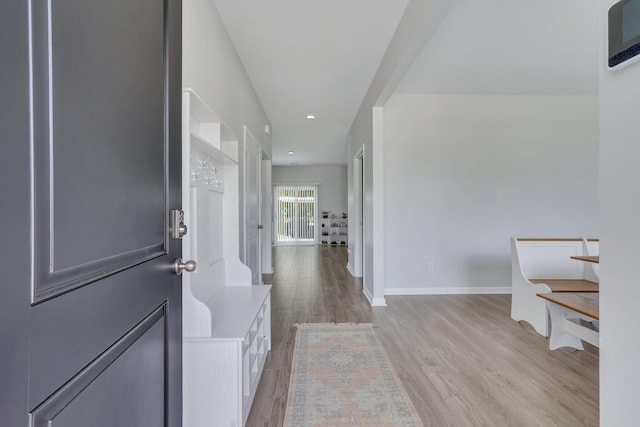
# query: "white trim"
x,y
377,157
449,291
367,295
293,183
350,269
374,302
356,216
267,220
379,302
242,173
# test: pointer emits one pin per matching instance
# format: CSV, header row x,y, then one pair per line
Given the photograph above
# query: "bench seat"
x,y
566,309
568,285
546,266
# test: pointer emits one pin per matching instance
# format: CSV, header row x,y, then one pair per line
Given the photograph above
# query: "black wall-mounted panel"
x,y
624,33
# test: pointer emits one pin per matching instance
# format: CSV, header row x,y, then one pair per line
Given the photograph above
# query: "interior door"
x,y
253,226
267,219
90,133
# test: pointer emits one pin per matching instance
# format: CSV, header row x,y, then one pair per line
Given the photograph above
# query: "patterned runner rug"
x,y
341,376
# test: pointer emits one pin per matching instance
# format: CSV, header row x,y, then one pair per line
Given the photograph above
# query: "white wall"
x,y
510,47
469,48
212,68
420,20
463,174
331,180
620,234
360,135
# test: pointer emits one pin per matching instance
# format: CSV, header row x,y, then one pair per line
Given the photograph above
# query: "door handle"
x,y
179,266
260,227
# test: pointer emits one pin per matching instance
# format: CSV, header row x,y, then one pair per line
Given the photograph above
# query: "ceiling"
x,y
544,47
319,57
311,57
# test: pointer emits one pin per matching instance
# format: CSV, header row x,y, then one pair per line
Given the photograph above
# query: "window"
x,y
295,214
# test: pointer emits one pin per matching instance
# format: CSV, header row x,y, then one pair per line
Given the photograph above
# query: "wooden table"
x,y
586,258
566,310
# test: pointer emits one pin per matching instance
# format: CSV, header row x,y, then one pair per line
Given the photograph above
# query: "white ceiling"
x,y
511,47
311,57
319,57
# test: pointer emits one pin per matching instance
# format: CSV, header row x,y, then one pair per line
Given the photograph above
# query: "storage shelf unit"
x,y
333,229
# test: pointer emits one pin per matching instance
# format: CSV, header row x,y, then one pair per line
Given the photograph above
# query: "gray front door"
x,y
90,312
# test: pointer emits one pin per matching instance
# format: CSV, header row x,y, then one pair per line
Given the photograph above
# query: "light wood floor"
x,y
462,359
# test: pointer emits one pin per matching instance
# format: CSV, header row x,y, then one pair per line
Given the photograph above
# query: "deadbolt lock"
x,y
177,229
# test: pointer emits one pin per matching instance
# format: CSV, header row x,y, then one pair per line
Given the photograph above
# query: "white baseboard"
x,y
379,302
350,270
367,295
448,291
374,302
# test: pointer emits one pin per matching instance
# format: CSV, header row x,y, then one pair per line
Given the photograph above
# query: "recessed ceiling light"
x,y
290,153
311,116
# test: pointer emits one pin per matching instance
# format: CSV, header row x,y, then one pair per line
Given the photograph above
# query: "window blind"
x,y
295,214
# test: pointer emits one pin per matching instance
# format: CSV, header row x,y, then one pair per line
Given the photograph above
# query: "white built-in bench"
x,y
541,266
566,309
226,322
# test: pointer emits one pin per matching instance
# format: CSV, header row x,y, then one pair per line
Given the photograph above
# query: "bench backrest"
x,y
549,258
592,247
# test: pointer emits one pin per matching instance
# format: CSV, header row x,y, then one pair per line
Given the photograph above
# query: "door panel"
x,y
95,139
252,206
98,100
90,397
69,331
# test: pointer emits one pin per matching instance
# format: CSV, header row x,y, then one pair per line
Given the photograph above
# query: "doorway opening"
x,y
294,214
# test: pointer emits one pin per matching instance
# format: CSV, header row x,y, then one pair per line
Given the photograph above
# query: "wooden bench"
x,y
540,266
592,249
565,310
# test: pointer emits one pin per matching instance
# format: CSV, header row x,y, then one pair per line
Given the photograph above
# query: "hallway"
x,y
462,359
